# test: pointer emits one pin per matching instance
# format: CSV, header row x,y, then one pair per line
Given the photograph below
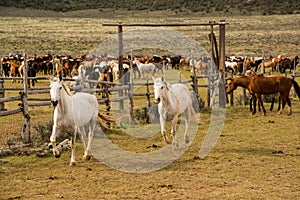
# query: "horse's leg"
x,y
272,102
279,103
56,153
250,104
187,122
82,135
261,103
289,105
254,104
283,102
73,143
173,132
87,153
163,128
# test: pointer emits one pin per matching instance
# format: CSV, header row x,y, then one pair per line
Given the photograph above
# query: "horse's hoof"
x,y
72,164
57,155
168,142
289,114
175,147
187,139
87,157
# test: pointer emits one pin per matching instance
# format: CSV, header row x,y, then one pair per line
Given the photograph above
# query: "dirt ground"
x,y
256,157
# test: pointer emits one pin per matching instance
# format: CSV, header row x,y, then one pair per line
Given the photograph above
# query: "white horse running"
x,y
144,68
76,111
173,100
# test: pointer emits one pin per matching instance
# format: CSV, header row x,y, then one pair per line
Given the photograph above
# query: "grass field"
x,y
62,33
256,157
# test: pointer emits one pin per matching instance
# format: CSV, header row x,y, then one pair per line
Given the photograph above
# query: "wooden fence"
x,y
27,99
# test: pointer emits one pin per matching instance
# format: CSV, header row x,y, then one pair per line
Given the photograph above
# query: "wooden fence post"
x,y
107,103
221,64
1,67
121,71
2,94
130,94
24,106
148,99
194,79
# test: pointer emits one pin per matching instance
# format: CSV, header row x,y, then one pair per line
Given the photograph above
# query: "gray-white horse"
x,y
144,68
173,100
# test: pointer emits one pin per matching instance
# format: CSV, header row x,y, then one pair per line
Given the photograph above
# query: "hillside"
x,y
240,7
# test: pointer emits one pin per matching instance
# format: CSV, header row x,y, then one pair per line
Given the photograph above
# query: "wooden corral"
x,y
28,96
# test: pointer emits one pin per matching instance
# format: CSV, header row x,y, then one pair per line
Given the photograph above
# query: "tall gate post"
x,y
121,72
2,94
24,106
222,93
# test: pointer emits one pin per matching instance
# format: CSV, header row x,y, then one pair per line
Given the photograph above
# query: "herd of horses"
x,y
93,67
247,65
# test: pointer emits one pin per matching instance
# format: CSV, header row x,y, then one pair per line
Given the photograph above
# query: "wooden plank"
x,y
163,24
10,112
39,103
8,99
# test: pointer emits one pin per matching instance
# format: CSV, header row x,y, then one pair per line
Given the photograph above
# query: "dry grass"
x,y
246,35
253,159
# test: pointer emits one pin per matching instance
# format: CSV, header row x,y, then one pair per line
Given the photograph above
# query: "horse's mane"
x,y
66,89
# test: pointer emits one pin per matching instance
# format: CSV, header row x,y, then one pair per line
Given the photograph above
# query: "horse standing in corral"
x,y
175,62
258,85
173,100
59,68
272,85
14,68
115,69
77,111
145,68
105,76
159,67
267,64
231,66
31,72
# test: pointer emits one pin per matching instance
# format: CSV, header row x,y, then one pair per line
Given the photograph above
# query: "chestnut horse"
x,y
258,85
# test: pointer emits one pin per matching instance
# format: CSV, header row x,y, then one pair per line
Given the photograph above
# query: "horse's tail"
x,y
102,119
193,114
296,87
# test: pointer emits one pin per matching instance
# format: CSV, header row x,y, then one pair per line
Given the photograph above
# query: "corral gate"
x,y
218,56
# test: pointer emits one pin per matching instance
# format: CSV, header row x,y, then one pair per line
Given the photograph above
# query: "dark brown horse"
x,y
272,85
258,85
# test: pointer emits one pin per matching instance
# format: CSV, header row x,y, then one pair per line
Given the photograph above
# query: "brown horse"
x,y
105,76
272,85
268,64
258,85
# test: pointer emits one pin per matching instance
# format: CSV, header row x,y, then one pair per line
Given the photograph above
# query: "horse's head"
x,y
159,86
55,88
231,86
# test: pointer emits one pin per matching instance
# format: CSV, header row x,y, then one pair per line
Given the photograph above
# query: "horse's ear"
x,y
153,78
162,79
52,79
60,77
